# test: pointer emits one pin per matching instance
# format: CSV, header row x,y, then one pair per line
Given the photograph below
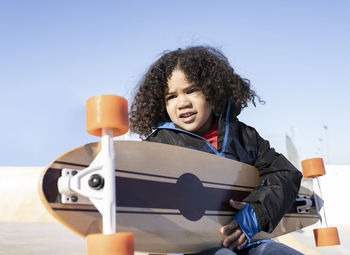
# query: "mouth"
x,y
188,117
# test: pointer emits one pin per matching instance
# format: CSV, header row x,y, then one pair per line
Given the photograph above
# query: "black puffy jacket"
x,y
280,180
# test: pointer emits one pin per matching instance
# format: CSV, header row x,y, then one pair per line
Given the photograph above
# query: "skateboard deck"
x,y
173,199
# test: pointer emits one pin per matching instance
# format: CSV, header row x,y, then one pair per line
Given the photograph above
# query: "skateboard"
x,y
172,199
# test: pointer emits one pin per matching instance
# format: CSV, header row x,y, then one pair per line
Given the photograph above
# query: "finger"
x,y
243,244
237,204
238,242
229,240
227,229
241,241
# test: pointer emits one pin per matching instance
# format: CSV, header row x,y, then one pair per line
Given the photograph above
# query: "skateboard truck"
x,y
69,193
324,236
106,116
303,204
95,183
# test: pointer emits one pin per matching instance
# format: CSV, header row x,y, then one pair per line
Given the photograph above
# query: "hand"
x,y
234,239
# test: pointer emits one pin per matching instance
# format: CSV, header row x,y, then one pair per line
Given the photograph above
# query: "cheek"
x,y
208,112
169,109
207,108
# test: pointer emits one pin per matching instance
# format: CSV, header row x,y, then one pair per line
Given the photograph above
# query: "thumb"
x,y
237,204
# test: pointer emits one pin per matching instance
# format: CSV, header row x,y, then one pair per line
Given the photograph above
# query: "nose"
x,y
183,101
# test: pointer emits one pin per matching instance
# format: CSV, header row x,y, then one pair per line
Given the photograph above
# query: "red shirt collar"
x,y
212,135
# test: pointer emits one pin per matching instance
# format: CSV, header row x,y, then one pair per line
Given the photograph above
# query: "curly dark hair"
x,y
204,66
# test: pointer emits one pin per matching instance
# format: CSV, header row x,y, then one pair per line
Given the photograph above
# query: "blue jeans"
x,y
268,248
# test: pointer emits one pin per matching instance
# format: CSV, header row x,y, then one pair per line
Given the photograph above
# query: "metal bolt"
x,y
96,181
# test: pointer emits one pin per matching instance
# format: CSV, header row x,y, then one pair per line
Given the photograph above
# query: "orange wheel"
x,y
107,111
313,167
326,236
114,244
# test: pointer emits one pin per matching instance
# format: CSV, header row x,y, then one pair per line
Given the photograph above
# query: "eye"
x,y
193,89
167,98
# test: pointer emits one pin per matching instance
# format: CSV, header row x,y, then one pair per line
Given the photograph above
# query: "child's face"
x,y
186,104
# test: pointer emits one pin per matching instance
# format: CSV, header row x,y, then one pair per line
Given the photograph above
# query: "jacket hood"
x,y
234,108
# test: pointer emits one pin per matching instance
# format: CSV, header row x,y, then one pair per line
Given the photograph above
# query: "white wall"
x,y
335,187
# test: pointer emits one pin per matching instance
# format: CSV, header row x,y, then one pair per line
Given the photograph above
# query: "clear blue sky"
x,y
56,54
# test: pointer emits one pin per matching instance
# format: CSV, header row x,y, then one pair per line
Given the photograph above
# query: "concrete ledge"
x,y
19,200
